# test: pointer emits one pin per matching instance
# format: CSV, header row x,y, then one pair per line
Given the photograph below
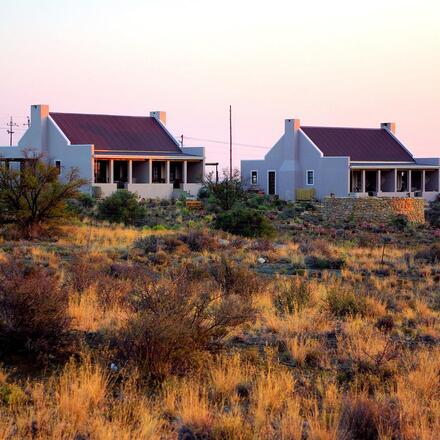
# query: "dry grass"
x,y
298,373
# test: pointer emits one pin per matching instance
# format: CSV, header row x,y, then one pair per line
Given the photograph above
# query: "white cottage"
x,y
339,161
137,153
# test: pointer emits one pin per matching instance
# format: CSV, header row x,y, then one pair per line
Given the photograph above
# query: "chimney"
x,y
291,125
36,136
390,126
160,116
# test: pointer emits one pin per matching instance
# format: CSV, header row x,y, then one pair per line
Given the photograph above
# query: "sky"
x,y
329,63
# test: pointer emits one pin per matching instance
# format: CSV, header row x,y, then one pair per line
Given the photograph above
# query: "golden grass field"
x,y
312,363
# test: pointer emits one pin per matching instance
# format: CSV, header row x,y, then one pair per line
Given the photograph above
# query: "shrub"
x,y
200,240
359,420
155,243
227,192
365,419
33,199
85,270
316,262
122,207
235,280
431,254
33,309
245,222
82,206
292,297
433,213
400,222
344,302
177,322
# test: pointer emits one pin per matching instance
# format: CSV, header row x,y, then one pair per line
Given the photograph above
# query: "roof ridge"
x,y
345,128
101,114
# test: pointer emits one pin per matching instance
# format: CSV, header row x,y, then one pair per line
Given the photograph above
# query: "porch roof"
x,y
391,165
145,155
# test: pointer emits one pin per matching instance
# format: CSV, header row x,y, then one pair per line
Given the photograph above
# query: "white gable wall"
x,y
44,136
71,156
330,173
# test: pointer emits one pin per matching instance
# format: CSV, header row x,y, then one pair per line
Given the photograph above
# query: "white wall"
x,y
291,157
71,156
151,190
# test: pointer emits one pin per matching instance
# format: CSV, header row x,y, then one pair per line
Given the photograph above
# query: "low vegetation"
x,y
187,331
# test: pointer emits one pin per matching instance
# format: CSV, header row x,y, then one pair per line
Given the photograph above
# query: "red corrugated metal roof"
x,y
360,144
108,132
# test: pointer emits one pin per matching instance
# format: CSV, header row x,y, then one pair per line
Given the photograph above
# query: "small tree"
x,y
33,198
228,191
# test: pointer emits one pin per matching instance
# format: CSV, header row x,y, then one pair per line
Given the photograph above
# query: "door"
x,y
271,186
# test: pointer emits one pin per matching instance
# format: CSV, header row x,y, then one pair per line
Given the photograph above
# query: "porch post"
x,y
111,171
379,181
168,172
130,171
150,171
363,181
185,171
395,179
423,181
409,181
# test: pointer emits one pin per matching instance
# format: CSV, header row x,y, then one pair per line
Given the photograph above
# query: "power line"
x,y
216,141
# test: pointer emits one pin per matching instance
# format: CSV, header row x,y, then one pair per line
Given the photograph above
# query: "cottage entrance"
x,y
271,183
176,174
120,173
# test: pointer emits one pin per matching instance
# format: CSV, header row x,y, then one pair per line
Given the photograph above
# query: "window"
x,y
310,175
58,166
254,177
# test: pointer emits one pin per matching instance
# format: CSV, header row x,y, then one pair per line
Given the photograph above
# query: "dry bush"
x,y
200,240
292,296
366,419
429,253
235,279
33,309
343,302
86,268
178,320
156,243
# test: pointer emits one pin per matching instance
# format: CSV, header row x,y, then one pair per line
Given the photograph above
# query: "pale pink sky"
x,y
344,63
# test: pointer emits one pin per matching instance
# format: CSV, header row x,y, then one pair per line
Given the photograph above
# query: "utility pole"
x,y
28,122
181,140
230,142
11,124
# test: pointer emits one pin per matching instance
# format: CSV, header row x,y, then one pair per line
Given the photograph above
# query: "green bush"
x,y
82,206
433,213
320,263
122,207
245,222
400,222
292,298
343,302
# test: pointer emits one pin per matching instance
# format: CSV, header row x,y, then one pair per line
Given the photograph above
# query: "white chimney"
x,y
390,126
160,116
36,136
291,125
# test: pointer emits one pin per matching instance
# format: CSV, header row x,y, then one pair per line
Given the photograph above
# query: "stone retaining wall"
x,y
372,210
